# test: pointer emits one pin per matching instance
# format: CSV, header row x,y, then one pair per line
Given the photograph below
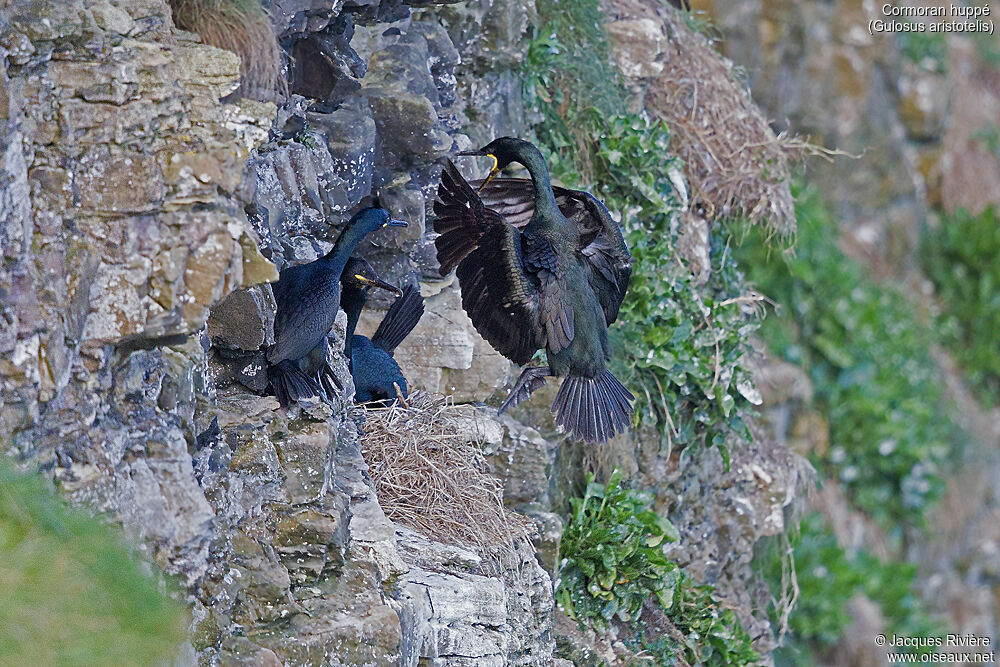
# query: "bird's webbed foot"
x,y
532,378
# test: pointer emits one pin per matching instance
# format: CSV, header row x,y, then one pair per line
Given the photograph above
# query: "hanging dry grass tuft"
x,y
732,157
431,476
243,27
735,164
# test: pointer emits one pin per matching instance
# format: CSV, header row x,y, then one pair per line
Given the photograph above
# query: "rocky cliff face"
x,y
142,212
121,228
909,115
125,179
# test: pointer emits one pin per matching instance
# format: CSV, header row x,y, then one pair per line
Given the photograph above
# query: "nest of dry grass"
x,y
243,27
430,474
733,160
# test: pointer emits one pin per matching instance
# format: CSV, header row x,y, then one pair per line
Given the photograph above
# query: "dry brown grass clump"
x,y
431,476
733,160
243,27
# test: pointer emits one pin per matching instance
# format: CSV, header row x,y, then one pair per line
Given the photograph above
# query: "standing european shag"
x,y
540,267
308,298
374,370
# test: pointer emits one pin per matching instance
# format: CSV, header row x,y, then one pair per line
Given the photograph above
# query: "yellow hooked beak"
x,y
493,172
381,284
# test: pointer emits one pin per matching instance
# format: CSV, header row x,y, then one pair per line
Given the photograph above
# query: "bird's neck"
x,y
352,300
342,250
545,200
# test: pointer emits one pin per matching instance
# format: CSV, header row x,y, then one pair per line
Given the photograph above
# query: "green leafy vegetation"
x,y
960,257
306,137
72,594
614,568
682,347
828,578
710,634
867,355
613,554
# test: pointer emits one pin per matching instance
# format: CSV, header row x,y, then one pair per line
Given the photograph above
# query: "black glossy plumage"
x,y
402,316
374,370
308,298
601,241
540,267
289,383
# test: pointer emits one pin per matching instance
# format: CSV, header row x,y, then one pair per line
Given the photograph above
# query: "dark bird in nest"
x,y
376,374
308,298
540,267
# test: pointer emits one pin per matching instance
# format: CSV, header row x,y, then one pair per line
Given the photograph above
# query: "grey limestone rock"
x,y
143,211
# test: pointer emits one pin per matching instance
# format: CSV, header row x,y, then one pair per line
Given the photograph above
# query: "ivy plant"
x,y
614,566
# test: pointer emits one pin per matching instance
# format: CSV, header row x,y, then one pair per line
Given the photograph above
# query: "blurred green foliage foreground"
x,y
960,257
70,592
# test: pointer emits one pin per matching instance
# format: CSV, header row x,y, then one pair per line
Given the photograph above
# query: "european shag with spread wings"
x,y
540,267
308,298
374,370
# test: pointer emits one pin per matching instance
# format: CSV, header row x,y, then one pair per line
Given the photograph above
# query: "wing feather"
x,y
499,293
600,242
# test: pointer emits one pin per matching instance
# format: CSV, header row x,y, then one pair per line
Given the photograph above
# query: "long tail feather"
x,y
290,384
402,316
593,409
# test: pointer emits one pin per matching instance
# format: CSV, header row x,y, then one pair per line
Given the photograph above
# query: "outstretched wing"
x,y
607,255
600,242
499,291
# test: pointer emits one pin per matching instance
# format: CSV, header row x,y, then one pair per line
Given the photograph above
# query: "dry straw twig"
x,y
732,157
430,475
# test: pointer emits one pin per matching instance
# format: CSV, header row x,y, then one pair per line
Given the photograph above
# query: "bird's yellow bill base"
x,y
494,170
381,284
